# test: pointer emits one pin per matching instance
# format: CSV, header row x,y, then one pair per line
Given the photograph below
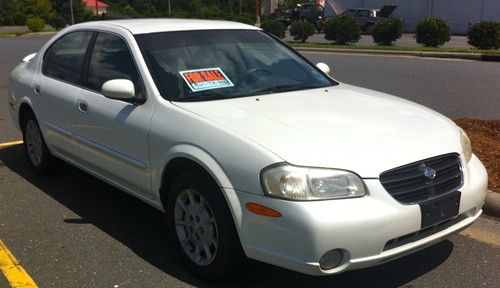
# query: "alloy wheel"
x,y
34,143
196,227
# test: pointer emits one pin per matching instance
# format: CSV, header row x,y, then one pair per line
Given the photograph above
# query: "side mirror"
x,y
122,89
323,67
29,57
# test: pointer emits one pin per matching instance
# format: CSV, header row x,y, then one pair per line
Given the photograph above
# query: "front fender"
x,y
208,162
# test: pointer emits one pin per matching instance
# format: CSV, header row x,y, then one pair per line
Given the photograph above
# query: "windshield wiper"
x,y
290,87
283,88
202,96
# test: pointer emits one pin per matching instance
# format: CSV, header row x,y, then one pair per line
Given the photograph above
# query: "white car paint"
x,y
360,130
317,128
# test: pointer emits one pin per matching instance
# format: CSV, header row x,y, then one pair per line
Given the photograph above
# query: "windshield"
x,y
221,64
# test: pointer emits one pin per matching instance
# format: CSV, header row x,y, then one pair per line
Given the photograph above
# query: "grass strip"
x,y
393,48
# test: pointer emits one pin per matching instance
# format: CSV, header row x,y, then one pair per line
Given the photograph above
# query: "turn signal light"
x,y
262,210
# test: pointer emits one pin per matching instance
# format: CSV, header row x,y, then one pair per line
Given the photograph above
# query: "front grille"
x,y
416,182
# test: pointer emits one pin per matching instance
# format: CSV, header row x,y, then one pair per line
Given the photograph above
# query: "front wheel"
x,y
37,153
201,226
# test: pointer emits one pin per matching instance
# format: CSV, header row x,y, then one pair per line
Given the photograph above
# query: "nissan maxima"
x,y
247,147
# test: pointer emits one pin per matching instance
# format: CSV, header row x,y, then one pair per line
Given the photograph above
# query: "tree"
x,y
80,12
42,9
8,9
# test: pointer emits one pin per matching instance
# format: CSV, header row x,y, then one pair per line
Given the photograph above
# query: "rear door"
x,y
363,16
56,90
113,134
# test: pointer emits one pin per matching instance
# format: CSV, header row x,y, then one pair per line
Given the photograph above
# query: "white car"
x,y
245,145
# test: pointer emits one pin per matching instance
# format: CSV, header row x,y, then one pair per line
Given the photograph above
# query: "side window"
x,y
111,59
64,59
363,13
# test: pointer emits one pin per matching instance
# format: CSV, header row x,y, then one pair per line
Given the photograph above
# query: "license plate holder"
x,y
437,210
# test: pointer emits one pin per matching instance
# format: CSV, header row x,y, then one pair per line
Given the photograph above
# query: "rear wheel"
x,y
201,226
37,153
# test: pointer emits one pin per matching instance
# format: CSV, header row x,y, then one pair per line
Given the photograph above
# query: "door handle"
x,y
37,90
83,106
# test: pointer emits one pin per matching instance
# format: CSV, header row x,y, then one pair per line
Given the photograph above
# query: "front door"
x,y
113,134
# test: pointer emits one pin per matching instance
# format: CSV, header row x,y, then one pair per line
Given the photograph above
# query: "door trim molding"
x,y
111,152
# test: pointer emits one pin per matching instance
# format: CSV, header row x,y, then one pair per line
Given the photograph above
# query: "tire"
x,y
38,155
209,226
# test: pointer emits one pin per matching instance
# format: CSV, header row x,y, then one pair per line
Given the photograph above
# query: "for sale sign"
x,y
206,79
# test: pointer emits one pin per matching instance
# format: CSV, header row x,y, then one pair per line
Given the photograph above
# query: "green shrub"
x,y
128,11
179,14
485,35
209,12
274,27
5,21
242,18
342,29
432,32
264,18
57,22
301,30
35,24
19,18
387,30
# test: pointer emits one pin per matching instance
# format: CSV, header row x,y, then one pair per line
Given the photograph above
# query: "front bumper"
x,y
369,230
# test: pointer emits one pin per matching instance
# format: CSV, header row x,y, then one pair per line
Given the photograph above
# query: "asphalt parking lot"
x,y
71,230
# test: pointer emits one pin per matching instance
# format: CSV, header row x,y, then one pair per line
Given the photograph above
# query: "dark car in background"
x,y
310,12
367,18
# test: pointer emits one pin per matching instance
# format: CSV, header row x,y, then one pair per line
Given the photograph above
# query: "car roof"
x,y
144,26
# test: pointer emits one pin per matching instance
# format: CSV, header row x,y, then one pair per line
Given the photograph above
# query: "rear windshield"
x,y
220,64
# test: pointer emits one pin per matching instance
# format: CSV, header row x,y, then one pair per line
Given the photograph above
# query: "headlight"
x,y
464,139
302,183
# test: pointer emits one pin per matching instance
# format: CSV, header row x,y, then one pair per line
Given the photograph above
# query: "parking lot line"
x,y
10,143
12,269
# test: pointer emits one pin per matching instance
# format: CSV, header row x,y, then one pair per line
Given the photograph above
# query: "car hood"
x,y
343,127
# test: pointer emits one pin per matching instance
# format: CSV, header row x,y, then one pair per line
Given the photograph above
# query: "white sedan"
x,y
247,147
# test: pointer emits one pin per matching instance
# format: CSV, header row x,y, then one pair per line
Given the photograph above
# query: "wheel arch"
x,y
186,158
24,109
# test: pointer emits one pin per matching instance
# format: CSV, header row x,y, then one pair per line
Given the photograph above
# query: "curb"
x,y
424,54
492,204
23,34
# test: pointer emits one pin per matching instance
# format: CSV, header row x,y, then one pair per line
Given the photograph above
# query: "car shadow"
x,y
142,229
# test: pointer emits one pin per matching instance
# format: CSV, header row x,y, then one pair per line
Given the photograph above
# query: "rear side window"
x,y
65,57
363,13
111,59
